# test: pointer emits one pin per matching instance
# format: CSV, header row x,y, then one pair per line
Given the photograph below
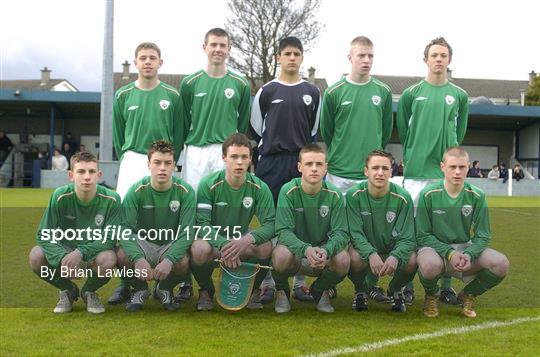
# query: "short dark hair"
x,y
475,162
218,32
236,139
147,46
316,148
438,41
361,40
160,146
380,153
455,151
292,42
82,156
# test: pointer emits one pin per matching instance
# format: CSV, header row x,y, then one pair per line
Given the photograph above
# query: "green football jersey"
x,y
442,220
381,225
159,217
141,117
430,119
214,108
70,222
224,213
304,221
355,120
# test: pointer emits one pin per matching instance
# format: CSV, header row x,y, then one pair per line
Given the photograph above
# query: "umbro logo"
x,y
277,101
202,94
421,98
70,217
300,209
221,203
347,102
133,107
147,206
439,211
365,213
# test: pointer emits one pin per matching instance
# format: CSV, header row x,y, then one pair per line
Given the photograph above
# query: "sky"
x,y
491,39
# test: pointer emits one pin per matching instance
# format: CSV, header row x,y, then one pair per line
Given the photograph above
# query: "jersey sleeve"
x,y
243,110
338,237
181,245
316,115
356,228
266,214
53,251
112,218
424,229
129,221
186,98
481,229
387,120
404,233
178,125
327,118
404,113
463,118
204,216
119,127
285,225
257,117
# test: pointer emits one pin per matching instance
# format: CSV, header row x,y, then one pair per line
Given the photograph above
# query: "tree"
x,y
257,26
533,93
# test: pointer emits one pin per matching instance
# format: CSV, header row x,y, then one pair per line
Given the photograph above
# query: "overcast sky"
x,y
491,39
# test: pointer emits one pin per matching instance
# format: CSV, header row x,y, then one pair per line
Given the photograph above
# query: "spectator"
x,y
395,168
503,173
517,173
494,174
67,151
59,161
73,144
475,170
5,145
42,157
400,168
82,147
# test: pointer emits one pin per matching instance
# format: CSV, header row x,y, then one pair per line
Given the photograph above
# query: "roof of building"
x,y
34,84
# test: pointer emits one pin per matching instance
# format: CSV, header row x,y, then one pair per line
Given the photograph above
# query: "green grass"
x,y
30,327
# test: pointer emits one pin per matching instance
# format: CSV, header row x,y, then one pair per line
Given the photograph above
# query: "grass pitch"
x,y
30,327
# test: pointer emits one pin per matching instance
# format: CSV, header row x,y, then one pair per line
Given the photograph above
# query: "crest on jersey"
x,y
390,216
229,92
174,205
99,219
466,210
449,99
376,100
234,288
164,104
307,99
247,201
323,211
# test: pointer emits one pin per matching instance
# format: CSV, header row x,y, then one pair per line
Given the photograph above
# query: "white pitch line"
x,y
517,212
421,336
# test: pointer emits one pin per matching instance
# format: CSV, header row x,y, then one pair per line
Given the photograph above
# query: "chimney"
x,y
45,76
125,72
448,73
311,74
532,76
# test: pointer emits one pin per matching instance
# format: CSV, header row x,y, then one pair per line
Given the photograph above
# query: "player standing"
x,y
284,118
227,200
81,205
432,116
216,105
453,232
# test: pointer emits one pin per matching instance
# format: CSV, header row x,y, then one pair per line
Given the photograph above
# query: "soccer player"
x,y
381,224
80,210
216,105
356,117
160,212
311,226
284,118
143,111
453,233
432,116
227,200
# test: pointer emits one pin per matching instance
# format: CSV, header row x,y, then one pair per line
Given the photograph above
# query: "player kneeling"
x,y
448,211
160,211
227,200
311,226
380,215
75,236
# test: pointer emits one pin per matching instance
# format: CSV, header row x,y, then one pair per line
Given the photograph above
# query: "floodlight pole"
x,y
105,122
